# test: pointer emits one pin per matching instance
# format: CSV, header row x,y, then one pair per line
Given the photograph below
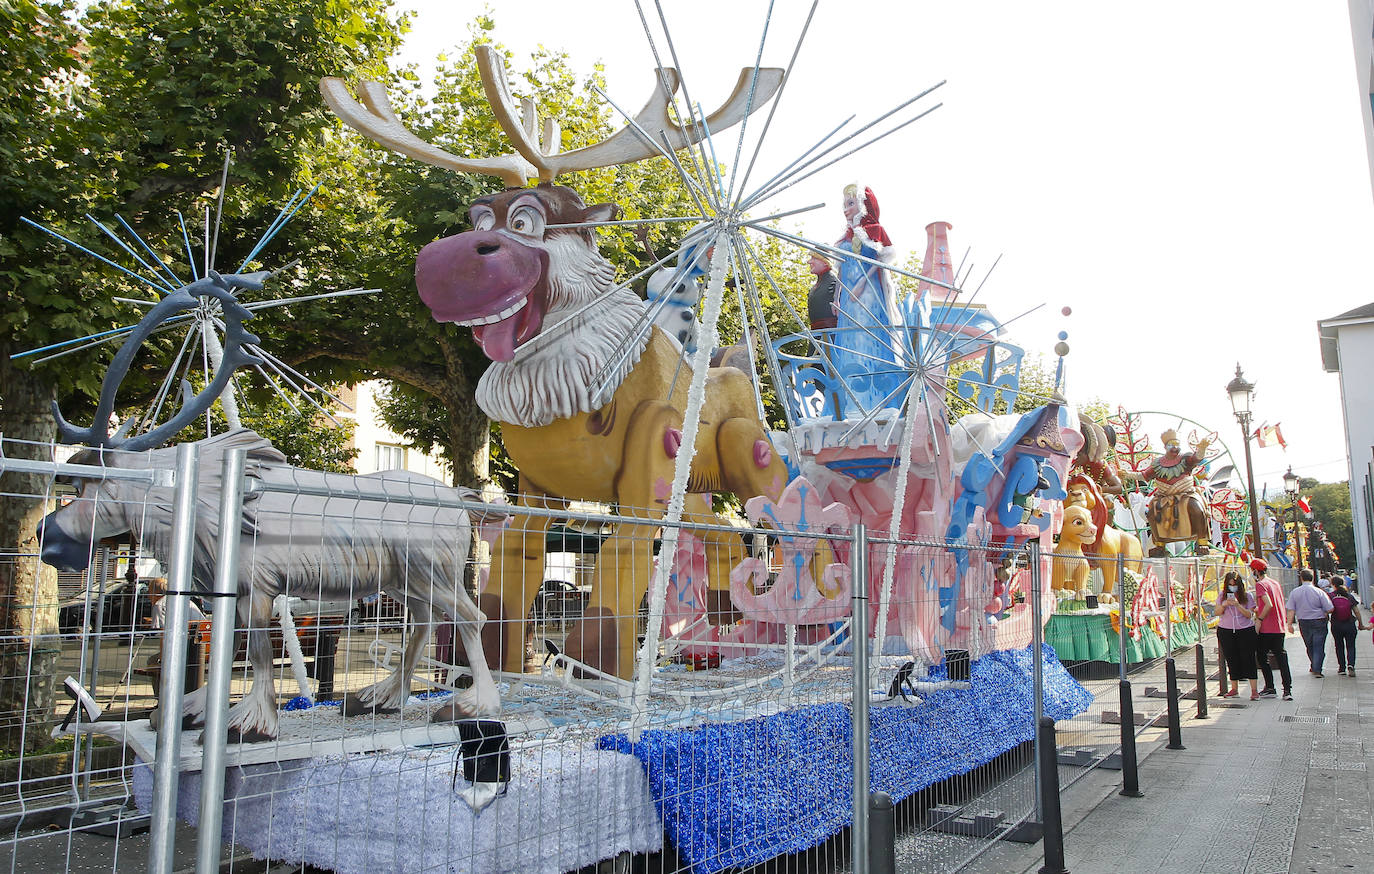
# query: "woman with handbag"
x,y
1236,632
1345,620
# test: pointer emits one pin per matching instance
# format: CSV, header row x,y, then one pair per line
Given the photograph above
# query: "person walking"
x,y
1236,632
1345,620
1270,620
1310,606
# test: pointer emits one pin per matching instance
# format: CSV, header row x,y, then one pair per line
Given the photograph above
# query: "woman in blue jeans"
x,y
1345,621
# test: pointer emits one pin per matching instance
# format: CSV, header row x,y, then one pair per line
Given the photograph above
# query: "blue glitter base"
x,y
740,793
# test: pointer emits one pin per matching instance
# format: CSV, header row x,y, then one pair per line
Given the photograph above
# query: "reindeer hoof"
x,y
763,454
450,712
354,706
239,736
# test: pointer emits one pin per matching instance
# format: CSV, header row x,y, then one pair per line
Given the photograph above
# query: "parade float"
x,y
1180,507
939,529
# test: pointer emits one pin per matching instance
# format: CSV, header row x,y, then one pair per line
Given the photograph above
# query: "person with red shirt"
x,y
1271,619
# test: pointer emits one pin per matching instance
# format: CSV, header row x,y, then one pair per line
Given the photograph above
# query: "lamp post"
x,y
1240,389
1290,485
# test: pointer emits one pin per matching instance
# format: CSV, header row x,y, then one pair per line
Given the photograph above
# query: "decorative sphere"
x,y
1063,335
993,606
1068,311
1061,348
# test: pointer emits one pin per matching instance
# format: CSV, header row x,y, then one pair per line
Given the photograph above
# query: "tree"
x,y
134,120
38,47
393,206
299,433
1330,504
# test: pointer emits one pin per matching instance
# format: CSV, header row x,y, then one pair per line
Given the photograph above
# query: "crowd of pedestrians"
x,y
1253,615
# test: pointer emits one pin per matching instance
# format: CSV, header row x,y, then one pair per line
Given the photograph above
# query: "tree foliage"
x,y
127,109
1330,504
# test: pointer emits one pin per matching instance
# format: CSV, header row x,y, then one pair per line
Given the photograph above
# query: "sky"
x,y
1190,179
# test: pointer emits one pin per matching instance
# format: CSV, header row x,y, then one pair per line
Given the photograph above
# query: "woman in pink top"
x,y
1236,632
1270,621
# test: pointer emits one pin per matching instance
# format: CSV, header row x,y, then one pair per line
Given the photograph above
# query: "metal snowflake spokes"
x,y
201,308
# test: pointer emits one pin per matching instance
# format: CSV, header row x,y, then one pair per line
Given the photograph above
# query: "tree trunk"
x,y
469,433
29,642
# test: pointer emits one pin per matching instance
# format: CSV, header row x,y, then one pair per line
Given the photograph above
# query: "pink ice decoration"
x,y
684,611
795,597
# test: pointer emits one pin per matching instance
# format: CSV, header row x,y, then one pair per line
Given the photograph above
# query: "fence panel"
x,y
369,737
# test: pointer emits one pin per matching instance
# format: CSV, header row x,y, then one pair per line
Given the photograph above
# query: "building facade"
x,y
1362,32
379,448
1347,346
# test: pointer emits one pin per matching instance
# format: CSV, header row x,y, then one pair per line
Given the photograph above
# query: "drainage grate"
x,y
1314,720
1332,762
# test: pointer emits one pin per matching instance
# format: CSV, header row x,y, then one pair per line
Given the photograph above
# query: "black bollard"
x,y
1130,777
1049,800
882,834
1175,724
1201,681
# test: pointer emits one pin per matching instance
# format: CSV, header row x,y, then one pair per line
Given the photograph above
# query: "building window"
x,y
391,457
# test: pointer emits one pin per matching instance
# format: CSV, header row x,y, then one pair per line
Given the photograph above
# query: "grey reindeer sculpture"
x,y
324,548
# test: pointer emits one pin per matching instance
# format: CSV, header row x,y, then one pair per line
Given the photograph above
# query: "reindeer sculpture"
x,y
590,394
321,548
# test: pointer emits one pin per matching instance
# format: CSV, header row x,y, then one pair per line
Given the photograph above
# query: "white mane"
x,y
556,380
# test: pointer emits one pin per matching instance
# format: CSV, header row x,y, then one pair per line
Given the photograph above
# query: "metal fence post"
x,y
219,668
1047,765
166,770
1130,778
882,834
1199,653
1170,666
1037,665
858,640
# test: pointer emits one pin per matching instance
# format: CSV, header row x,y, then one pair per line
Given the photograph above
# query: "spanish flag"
x,y
1269,435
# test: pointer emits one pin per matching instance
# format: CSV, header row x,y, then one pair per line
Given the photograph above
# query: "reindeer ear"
x,y
601,212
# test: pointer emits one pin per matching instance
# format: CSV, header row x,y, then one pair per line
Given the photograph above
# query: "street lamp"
x,y
1240,389
1290,485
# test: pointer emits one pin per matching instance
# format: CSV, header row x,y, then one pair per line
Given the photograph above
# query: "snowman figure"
x,y
673,293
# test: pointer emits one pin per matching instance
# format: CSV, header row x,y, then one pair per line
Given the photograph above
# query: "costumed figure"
x,y
867,346
820,302
1176,511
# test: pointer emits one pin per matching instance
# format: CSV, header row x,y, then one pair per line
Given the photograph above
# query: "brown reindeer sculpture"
x,y
590,395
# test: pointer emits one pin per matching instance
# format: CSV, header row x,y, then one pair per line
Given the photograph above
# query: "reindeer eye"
x,y
483,219
527,221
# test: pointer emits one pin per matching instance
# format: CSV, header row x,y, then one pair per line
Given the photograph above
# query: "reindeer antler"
x,y
235,356
540,156
376,119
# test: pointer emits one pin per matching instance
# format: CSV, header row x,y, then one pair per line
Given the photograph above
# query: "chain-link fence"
x,y
711,713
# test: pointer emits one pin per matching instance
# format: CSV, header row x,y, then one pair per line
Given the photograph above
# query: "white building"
x,y
1362,29
1347,345
379,448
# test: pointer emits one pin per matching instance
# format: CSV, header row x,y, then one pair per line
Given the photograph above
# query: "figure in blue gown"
x,y
868,352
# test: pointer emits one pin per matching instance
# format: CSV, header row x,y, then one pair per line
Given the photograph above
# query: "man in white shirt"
x,y
1310,606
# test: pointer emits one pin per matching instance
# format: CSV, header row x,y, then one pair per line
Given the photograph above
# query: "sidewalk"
x,y
1264,787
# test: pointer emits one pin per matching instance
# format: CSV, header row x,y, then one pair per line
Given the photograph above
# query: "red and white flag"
x,y
1146,601
1304,505
1269,435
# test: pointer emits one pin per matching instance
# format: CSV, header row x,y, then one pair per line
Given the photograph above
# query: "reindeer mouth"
x,y
501,334
489,283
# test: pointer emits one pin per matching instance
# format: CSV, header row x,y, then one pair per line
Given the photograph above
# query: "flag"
x,y
1269,435
1304,505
